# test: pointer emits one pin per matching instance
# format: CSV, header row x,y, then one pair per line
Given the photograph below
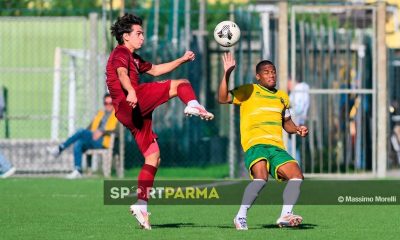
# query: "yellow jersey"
x,y
111,125
261,115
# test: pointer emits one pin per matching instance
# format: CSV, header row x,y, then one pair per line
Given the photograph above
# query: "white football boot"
x,y
289,220
74,175
198,111
141,216
240,223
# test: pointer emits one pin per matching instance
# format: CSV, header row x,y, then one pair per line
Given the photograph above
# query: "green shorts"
x,y
274,156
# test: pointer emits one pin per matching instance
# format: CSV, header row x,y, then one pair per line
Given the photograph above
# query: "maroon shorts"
x,y
139,119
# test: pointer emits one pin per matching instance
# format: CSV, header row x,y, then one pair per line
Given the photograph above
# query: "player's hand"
x,y
302,131
229,62
188,56
97,134
132,99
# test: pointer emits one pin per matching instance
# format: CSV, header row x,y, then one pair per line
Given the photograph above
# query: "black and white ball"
x,y
227,33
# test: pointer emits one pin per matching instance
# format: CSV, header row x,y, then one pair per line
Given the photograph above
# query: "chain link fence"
x,y
51,89
53,71
334,55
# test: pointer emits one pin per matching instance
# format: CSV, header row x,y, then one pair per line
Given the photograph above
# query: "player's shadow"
x,y
270,226
305,226
172,225
191,225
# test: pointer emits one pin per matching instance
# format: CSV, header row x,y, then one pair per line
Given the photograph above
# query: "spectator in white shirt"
x,y
300,102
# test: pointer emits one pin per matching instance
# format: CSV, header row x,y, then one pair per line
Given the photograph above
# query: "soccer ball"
x,y
227,33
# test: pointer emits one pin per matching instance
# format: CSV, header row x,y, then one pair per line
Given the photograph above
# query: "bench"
x,y
106,155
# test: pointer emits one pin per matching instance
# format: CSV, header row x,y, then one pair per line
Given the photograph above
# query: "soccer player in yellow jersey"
x,y
264,112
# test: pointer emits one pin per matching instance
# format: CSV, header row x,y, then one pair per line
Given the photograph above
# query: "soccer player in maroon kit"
x,y
134,102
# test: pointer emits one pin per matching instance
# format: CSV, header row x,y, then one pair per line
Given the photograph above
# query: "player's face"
x,y
108,104
267,76
135,38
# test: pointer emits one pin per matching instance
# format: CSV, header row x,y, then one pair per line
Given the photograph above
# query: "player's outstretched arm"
x,y
229,65
126,84
292,128
164,68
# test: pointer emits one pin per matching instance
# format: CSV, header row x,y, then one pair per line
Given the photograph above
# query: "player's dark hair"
x,y
106,96
124,25
262,64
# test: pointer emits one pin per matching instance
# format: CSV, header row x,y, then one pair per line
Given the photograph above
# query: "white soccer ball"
x,y
227,33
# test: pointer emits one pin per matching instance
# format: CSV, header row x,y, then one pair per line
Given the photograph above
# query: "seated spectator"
x,y
96,136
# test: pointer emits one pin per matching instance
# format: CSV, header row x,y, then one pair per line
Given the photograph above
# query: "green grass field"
x,y
49,208
219,171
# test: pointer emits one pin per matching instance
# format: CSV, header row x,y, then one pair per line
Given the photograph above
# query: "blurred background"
x,y
52,79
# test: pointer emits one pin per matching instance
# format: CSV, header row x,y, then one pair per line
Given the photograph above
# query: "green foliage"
x,y
48,7
215,13
322,19
73,4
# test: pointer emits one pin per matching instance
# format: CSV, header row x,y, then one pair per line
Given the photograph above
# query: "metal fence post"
x,y
93,66
382,109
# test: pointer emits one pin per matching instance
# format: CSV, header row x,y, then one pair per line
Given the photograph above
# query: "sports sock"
x,y
250,194
194,103
290,195
145,182
186,92
142,204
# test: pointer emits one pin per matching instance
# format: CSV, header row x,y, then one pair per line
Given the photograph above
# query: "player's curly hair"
x,y
263,63
124,25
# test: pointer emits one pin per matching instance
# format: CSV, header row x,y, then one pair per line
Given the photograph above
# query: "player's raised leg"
x,y
260,177
145,183
292,173
183,89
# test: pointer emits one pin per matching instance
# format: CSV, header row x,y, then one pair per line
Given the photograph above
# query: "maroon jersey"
x,y
122,57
